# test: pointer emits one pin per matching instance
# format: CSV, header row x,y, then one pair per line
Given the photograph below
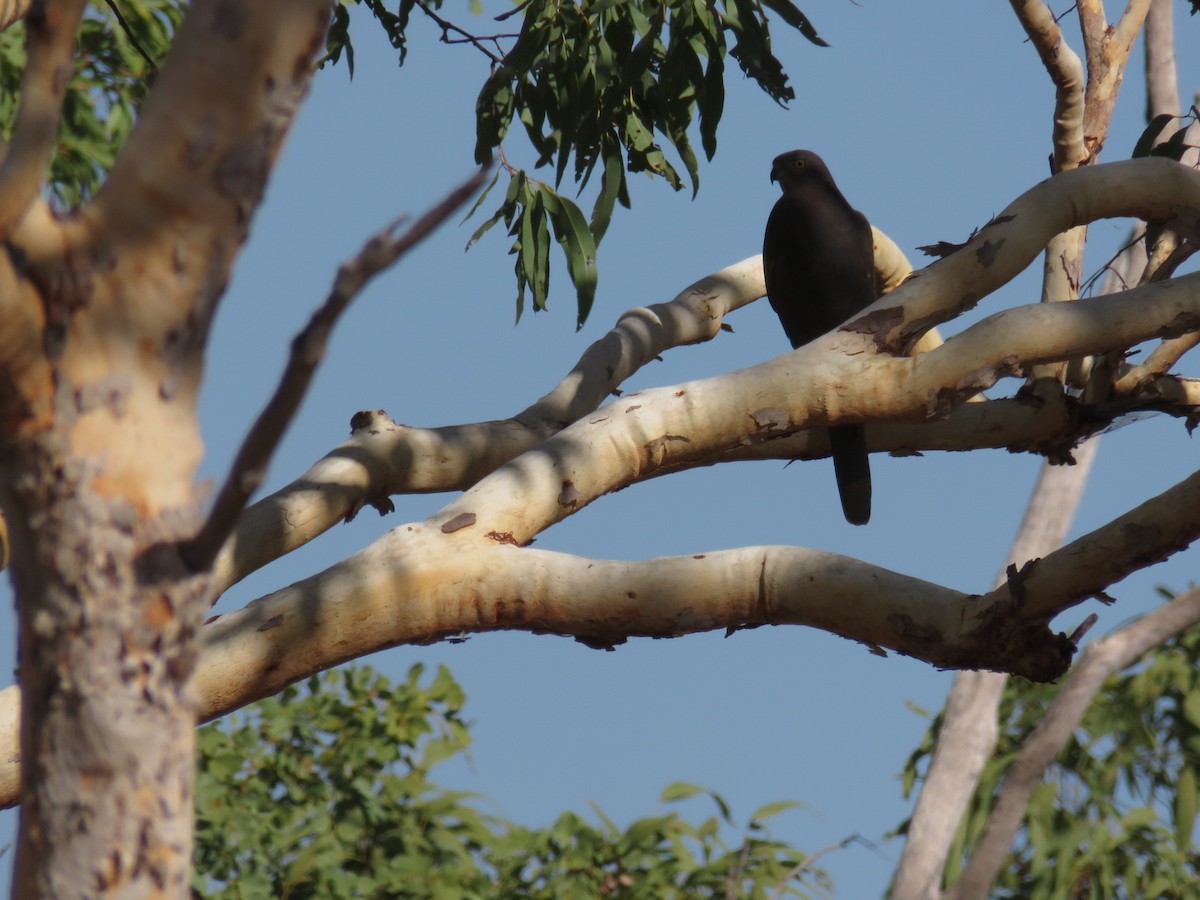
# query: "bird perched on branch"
x,y
818,259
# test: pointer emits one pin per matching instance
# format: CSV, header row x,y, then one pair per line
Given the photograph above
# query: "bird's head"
x,y
799,167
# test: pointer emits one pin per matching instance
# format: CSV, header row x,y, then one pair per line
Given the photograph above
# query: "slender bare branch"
x,y
807,863
969,730
1162,82
1159,362
249,467
1107,51
50,44
1066,71
1097,663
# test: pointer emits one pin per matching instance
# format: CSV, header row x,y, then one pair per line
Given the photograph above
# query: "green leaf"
x,y
1185,808
774,809
505,211
798,20
612,189
579,245
1191,707
337,41
679,790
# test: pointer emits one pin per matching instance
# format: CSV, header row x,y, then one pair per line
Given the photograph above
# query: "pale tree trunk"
x,y
103,320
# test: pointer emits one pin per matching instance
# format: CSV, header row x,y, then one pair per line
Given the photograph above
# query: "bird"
x,y
818,262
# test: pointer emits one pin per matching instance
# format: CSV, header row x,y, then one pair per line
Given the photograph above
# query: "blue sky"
x,y
932,117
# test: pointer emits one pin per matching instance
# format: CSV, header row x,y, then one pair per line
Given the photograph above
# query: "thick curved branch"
x,y
1148,534
383,458
816,385
393,458
1151,189
1097,663
421,583
179,200
50,44
458,571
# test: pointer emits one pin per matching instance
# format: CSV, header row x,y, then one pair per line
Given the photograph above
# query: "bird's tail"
x,y
852,467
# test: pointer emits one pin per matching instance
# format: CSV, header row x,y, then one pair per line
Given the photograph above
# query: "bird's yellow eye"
x,y
799,164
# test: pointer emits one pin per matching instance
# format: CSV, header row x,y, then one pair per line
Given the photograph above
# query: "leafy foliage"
x,y
603,85
324,792
120,45
608,86
1116,815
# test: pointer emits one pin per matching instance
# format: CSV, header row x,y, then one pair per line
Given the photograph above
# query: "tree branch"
x,y
1097,663
969,730
1066,71
1145,535
12,11
389,458
50,29
393,459
1162,82
1152,189
382,251
1107,51
187,182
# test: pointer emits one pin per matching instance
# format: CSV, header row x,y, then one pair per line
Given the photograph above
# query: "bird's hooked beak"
x,y
774,174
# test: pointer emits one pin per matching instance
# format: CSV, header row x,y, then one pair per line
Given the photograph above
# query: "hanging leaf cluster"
x,y
598,88
607,85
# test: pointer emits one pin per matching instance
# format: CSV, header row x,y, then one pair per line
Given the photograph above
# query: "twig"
x,y
798,870
133,41
520,7
50,29
476,41
308,347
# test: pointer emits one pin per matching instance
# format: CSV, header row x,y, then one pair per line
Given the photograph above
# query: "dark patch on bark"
x,y
987,252
462,520
229,19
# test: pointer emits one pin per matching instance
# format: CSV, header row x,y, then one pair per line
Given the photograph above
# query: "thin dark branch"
x,y
249,468
496,56
520,7
807,862
133,41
